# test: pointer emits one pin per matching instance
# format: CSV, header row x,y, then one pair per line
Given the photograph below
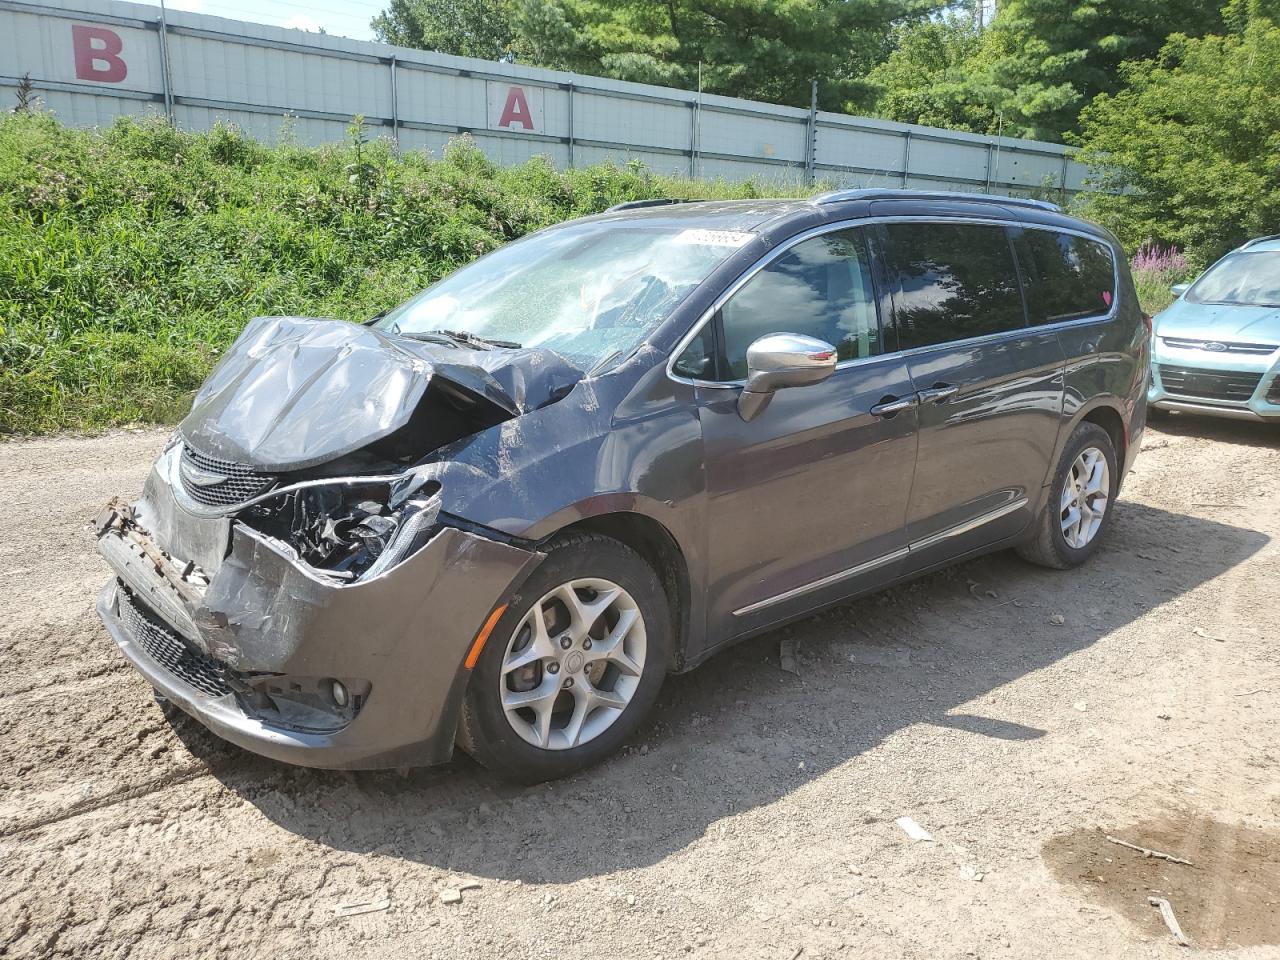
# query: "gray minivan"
x,y
498,515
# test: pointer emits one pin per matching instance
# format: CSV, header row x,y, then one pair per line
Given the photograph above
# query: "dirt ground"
x,y
1019,715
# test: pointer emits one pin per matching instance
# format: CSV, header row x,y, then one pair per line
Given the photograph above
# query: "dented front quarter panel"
x,y
406,632
616,442
266,611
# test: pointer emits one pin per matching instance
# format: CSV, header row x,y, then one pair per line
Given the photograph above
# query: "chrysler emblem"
x,y
201,478
1215,346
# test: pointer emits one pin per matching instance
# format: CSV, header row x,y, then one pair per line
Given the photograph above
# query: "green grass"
x,y
131,257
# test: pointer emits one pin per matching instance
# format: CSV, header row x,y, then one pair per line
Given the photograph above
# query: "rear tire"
x,y
573,665
1069,529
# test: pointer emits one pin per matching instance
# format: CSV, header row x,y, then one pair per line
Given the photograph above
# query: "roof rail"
x,y
887,193
1250,243
641,204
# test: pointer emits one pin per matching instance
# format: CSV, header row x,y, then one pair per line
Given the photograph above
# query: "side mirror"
x,y
782,360
1178,289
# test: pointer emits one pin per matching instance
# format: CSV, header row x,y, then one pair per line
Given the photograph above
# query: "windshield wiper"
x,y
602,363
458,337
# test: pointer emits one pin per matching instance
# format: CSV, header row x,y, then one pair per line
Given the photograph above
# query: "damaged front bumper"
x,y
232,627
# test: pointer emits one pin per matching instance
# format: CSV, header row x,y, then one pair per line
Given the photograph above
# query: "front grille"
x,y
220,483
169,650
1273,394
1227,385
1222,346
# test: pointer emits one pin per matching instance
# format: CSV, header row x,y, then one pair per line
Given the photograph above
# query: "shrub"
x,y
1155,269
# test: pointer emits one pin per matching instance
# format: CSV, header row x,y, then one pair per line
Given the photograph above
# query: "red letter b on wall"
x,y
97,52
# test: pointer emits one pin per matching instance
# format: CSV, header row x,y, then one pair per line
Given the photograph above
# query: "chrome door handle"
x,y
890,406
939,394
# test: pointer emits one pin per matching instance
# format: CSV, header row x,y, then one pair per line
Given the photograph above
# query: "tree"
x,y
937,76
759,49
1057,55
1188,149
465,28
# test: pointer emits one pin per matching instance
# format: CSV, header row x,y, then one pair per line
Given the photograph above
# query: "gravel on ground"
x,y
1018,715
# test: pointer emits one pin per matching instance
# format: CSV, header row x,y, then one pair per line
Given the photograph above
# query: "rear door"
x,y
807,501
990,387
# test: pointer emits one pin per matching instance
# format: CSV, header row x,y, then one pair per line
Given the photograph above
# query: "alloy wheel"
x,y
1085,494
573,664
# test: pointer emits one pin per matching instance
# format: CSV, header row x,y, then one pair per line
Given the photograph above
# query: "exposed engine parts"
x,y
349,529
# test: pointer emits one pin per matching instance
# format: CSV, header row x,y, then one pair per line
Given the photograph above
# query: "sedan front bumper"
x,y
267,622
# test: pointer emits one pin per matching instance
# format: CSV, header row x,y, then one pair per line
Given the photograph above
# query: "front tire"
x,y
573,665
1081,500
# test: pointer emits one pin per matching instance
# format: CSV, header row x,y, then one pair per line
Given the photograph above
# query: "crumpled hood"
x,y
293,392
1219,321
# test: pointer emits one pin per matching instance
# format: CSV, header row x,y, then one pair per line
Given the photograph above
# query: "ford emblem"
x,y
1215,346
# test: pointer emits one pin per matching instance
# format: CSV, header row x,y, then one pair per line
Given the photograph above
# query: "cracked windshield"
x,y
590,292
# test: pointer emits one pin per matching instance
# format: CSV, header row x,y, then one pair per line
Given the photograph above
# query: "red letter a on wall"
x,y
97,51
516,110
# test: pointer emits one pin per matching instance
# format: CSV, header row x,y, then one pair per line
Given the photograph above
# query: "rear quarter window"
x,y
1067,277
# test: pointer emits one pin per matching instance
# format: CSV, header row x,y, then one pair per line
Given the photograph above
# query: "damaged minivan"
x,y
499,514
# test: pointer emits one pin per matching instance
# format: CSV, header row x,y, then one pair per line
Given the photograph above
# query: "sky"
x,y
345,18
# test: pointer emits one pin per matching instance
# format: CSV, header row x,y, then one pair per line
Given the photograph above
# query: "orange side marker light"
x,y
478,644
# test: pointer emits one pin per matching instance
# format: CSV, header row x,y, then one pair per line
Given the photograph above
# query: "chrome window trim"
x,y
869,565
836,226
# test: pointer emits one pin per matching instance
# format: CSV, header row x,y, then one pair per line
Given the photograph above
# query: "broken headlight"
x,y
351,529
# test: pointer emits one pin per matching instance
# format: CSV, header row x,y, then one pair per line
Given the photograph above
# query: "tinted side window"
x,y
1066,277
821,287
952,281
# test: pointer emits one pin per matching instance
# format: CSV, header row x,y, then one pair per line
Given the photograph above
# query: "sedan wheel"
x,y
1085,496
573,664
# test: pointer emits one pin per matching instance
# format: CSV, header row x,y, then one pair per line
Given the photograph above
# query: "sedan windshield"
x,y
591,292
1247,279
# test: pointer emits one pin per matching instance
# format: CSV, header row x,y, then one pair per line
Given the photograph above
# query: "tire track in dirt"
x,y
71,683
74,748
181,775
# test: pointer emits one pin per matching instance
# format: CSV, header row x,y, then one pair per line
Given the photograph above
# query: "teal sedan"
x,y
1216,349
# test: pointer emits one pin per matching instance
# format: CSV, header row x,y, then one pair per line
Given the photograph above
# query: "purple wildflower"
x,y
1159,264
